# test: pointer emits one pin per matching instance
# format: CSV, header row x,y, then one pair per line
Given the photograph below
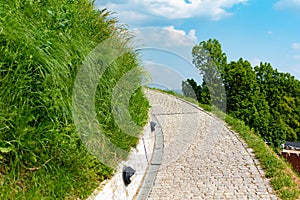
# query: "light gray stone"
x,y
202,158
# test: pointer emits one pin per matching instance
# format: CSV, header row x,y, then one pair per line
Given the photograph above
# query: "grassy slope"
x,y
43,44
284,180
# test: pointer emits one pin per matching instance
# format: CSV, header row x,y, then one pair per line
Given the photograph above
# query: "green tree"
x,y
265,99
241,89
200,92
210,60
188,89
244,99
282,93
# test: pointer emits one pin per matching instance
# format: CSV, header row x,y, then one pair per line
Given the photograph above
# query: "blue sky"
x,y
258,31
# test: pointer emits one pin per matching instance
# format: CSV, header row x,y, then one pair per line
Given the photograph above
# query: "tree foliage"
x,y
265,99
209,59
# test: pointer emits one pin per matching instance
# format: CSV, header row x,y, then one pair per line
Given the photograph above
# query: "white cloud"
x,y
296,46
165,37
131,15
287,5
168,46
178,37
192,34
168,38
171,9
269,32
178,41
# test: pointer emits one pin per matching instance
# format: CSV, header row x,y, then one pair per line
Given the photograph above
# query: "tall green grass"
x,y
42,46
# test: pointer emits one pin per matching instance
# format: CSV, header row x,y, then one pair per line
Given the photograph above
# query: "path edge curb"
x,y
154,165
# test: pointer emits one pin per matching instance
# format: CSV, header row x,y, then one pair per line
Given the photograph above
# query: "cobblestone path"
x,y
202,158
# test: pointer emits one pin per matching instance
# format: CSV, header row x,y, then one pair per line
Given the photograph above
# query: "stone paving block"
x,y
157,156
201,158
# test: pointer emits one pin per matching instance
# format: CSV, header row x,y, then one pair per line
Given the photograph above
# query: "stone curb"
x,y
155,163
139,159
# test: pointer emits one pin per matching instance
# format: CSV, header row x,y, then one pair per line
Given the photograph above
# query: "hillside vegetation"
x,y
43,45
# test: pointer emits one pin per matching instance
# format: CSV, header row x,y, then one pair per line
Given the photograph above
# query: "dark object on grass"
x,y
291,146
128,172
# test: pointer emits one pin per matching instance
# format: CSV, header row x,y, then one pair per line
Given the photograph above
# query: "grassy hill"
x,y
43,45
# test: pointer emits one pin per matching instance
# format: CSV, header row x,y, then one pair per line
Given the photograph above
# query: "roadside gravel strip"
x,y
202,158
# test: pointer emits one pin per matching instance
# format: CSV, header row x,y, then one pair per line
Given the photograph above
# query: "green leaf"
x,y
5,149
